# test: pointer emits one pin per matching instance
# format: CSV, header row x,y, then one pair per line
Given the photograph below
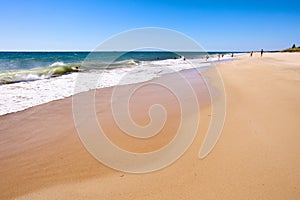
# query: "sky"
x,y
83,25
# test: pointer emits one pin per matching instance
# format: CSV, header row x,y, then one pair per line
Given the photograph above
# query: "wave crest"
x,y
56,69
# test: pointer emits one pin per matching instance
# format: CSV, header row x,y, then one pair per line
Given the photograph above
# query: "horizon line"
x,y
233,51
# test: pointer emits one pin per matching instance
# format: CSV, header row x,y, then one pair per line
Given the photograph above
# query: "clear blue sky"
x,y
82,25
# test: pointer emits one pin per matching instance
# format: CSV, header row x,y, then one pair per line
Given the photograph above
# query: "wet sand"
x,y
256,157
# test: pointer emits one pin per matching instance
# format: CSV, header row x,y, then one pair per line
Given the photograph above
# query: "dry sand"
x,y
256,157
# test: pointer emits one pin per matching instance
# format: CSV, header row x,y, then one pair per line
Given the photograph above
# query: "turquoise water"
x,y
29,60
28,66
28,79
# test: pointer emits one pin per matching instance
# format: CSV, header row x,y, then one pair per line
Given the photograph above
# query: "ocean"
x,y
28,79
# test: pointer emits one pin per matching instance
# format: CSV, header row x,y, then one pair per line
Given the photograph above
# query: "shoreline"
x,y
22,95
38,136
256,155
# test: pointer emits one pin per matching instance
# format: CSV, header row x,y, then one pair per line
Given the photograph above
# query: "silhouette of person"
x,y
251,53
206,57
261,52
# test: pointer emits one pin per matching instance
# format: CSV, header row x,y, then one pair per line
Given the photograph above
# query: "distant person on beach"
x,y
206,57
251,53
261,52
218,56
232,55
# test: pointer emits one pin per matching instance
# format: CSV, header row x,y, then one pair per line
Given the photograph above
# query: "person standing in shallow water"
x,y
206,57
261,52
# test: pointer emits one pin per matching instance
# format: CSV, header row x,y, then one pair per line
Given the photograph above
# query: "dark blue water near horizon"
x,y
28,60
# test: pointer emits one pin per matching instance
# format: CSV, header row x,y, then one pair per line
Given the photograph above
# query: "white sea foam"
x,y
58,64
22,95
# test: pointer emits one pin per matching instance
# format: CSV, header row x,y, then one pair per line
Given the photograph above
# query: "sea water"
x,y
28,79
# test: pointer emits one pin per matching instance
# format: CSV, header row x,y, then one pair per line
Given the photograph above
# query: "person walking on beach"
x,y
206,57
251,53
261,52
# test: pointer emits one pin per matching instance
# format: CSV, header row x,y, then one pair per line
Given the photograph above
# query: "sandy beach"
x,y
256,157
